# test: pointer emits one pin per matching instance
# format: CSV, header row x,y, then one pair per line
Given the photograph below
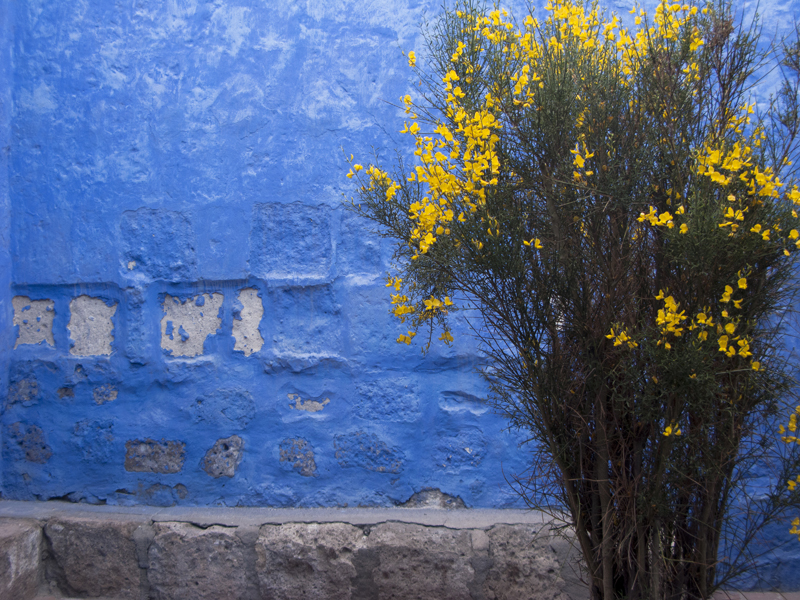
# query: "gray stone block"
x,y
223,457
150,456
189,563
94,557
524,564
297,561
20,552
417,562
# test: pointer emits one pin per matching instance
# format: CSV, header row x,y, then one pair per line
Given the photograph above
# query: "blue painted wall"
x,y
156,159
188,150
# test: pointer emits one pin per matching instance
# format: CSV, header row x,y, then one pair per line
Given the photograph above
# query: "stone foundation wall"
x,y
133,557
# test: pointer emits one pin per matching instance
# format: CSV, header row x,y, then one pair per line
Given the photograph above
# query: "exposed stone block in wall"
x,y
90,326
290,240
390,399
20,551
299,561
246,319
151,456
29,440
224,457
189,563
104,393
159,244
225,407
298,455
368,451
34,319
186,325
94,557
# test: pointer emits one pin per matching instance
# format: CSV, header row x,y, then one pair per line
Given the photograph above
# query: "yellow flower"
x,y
446,337
684,228
412,59
671,430
742,283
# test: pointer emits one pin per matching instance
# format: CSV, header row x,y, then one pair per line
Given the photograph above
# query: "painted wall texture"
x,y
193,316
188,314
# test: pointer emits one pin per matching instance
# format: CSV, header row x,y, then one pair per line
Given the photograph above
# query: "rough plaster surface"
x,y
186,324
91,326
187,149
245,325
34,319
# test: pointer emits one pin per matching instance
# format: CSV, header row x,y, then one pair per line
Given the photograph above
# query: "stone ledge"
x,y
142,553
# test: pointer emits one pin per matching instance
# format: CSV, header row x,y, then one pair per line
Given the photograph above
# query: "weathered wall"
x,y
6,310
196,319
188,314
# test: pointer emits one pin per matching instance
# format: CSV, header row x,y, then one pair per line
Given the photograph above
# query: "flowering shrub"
x,y
627,227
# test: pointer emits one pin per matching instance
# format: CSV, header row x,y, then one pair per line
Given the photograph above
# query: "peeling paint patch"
x,y
246,322
150,456
104,393
186,325
298,454
308,405
90,326
34,319
224,457
368,451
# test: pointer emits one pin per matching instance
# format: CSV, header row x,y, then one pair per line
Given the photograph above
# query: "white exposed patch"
x,y
90,326
245,329
308,405
186,325
131,265
34,319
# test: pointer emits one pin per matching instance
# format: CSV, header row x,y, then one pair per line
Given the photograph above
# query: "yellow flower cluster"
x,y
669,319
622,338
671,430
789,432
789,436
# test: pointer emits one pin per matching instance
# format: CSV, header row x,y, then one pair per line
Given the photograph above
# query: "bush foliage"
x,y
625,222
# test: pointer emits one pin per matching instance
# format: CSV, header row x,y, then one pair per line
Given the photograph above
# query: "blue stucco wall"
x,y
192,150
167,168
